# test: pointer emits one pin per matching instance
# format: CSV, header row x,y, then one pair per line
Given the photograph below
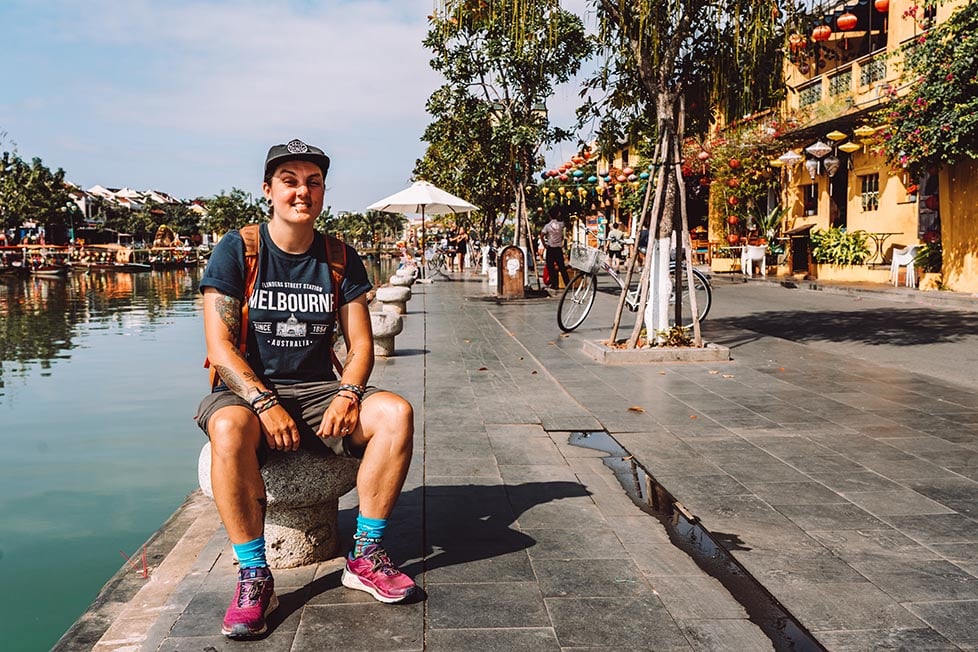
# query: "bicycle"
x,y
436,260
578,297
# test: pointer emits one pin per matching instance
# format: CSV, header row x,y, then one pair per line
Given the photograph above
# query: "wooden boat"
x,y
107,257
173,257
45,260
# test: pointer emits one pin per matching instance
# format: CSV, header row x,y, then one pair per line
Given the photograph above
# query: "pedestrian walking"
x,y
553,239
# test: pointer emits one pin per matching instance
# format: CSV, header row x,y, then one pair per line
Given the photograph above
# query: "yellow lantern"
x,y
836,135
864,131
849,147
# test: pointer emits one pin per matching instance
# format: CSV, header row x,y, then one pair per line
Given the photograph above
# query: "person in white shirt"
x,y
553,240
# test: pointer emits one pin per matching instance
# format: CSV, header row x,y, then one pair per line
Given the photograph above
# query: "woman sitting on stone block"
x,y
279,391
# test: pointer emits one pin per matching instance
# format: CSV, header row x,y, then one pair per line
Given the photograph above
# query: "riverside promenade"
x,y
825,503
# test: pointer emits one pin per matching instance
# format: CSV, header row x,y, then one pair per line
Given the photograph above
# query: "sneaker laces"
x,y
249,592
381,562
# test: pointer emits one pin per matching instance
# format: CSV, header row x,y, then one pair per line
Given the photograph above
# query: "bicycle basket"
x,y
587,259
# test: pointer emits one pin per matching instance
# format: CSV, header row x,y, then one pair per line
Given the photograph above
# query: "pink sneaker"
x,y
253,600
375,573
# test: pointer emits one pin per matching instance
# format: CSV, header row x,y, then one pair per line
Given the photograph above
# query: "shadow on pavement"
x,y
895,326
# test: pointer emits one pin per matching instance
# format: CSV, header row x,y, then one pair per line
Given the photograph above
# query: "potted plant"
x,y
929,260
840,255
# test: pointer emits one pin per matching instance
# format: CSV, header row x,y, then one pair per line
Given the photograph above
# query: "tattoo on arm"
x,y
241,384
229,309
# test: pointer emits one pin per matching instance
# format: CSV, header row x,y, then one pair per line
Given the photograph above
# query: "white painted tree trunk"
x,y
657,308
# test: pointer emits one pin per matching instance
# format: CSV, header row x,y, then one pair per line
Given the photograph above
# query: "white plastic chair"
x,y
751,254
904,258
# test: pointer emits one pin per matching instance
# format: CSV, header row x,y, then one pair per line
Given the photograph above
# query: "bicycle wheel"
x,y
704,297
576,301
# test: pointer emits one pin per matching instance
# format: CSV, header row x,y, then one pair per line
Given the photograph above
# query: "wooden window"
x,y
870,195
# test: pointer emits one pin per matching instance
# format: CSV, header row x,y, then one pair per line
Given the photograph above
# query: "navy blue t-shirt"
x,y
291,310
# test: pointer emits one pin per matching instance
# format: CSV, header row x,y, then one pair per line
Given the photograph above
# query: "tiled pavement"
x,y
849,493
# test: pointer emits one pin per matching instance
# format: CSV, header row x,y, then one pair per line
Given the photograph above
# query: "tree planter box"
x,y
613,356
720,265
930,281
851,273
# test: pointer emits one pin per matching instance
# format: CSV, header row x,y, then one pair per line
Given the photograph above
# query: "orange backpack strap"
x,y
251,240
336,259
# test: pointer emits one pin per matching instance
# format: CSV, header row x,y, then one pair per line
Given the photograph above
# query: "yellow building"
x,y
838,75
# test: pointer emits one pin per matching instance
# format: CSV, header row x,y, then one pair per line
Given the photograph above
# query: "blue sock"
x,y
251,554
369,530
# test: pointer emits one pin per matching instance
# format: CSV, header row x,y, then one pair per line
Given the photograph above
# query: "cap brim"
x,y
319,159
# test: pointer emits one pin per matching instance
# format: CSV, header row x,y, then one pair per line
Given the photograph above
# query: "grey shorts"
x,y
305,402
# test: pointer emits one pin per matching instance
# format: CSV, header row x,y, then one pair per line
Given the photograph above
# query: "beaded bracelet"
x,y
267,405
356,389
354,398
261,396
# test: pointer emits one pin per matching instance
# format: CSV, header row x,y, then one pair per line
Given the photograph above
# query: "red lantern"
x,y
733,239
821,33
733,220
932,202
846,22
797,42
703,155
882,6
734,164
563,177
733,201
930,237
628,172
578,160
622,178
733,182
704,181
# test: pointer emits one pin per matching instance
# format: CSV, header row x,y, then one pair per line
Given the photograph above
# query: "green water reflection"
x,y
100,375
99,378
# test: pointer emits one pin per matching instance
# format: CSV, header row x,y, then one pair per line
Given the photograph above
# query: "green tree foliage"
x,y
367,229
501,60
31,191
233,210
936,121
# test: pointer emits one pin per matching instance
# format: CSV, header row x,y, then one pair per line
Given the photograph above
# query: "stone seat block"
x,y
399,280
385,326
303,491
393,298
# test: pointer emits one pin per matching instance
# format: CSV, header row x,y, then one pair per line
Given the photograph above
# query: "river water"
x,y
100,375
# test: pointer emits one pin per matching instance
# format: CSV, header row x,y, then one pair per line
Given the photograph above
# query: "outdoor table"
x,y
879,237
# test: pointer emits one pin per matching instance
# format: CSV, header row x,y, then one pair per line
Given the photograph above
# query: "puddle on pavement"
x,y
685,533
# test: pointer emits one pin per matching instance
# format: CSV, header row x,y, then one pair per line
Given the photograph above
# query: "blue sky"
x,y
186,97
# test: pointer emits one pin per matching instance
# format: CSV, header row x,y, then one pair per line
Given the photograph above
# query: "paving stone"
x,y
915,640
920,580
899,502
492,640
954,620
873,545
830,517
590,578
723,635
794,493
372,626
600,623
486,605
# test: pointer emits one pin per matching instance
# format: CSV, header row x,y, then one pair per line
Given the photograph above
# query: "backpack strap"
x,y
250,238
336,259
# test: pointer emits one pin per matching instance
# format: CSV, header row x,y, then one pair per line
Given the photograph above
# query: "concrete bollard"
x,y
385,326
393,299
303,491
399,280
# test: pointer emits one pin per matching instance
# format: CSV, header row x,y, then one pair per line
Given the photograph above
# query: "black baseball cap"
x,y
295,150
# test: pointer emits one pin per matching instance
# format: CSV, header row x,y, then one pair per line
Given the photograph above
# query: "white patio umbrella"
x,y
423,197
